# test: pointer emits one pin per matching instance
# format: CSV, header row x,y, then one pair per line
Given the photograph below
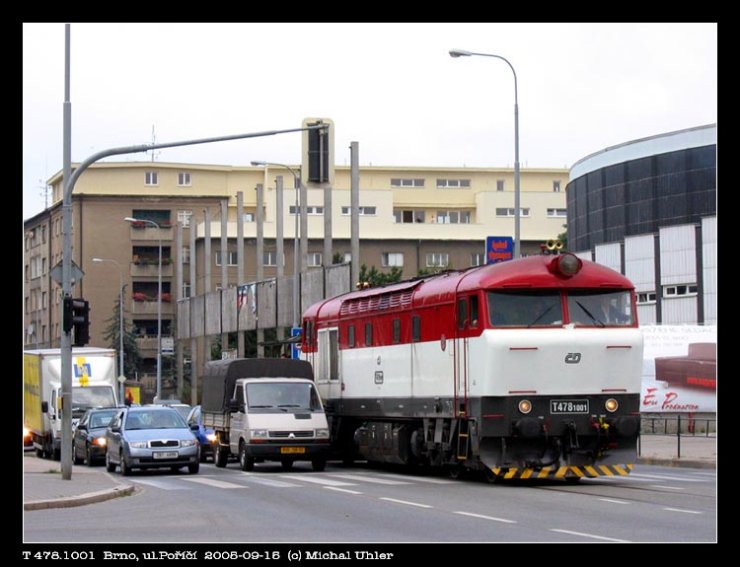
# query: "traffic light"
x,y
77,317
318,151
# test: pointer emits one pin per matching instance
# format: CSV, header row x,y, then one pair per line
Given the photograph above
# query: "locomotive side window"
x,y
473,311
525,308
368,334
600,308
462,313
396,331
351,336
416,328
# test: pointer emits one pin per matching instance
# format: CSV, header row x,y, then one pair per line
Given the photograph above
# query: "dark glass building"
x,y
640,186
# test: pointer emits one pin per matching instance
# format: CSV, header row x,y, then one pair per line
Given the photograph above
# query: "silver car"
x,y
150,437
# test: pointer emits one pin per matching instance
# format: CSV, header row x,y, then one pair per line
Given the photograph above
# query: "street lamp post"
x,y
120,321
159,307
297,185
517,212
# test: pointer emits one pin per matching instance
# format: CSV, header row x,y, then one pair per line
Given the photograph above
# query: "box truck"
x,y
94,384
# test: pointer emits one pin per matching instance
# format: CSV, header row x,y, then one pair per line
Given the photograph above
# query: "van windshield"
x,y
282,396
92,397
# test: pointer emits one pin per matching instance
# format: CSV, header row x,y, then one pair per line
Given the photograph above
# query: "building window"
x,y
368,334
509,212
347,257
248,217
646,298
453,217
396,331
186,289
160,217
310,210
231,258
557,213
683,290
408,216
36,264
186,254
43,300
437,260
453,183
391,259
184,217
151,178
477,258
499,185
183,179
314,259
556,186
396,182
364,211
269,258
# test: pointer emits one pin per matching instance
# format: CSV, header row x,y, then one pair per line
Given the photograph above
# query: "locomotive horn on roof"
x,y
554,244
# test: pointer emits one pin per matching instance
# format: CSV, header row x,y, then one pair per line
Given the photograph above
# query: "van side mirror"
x,y
44,407
194,427
234,405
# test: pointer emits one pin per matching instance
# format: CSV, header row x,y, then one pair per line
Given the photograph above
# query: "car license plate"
x,y
292,450
165,455
568,406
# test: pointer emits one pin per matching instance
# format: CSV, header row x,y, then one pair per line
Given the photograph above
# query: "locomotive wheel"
x,y
455,472
492,478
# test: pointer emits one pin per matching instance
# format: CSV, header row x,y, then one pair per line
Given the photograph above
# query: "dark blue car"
x,y
206,437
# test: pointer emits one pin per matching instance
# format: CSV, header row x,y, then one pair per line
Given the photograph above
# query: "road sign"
x,y
56,273
499,249
295,348
168,345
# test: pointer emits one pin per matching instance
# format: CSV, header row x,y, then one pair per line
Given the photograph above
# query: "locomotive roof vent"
x,y
566,265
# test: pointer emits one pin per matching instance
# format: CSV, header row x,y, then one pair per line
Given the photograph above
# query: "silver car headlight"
x,y
322,434
137,444
258,433
188,442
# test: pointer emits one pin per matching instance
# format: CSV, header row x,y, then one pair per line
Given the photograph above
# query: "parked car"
x,y
150,437
88,442
206,436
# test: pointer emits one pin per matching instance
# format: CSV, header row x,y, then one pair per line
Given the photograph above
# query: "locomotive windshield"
x,y
591,308
525,308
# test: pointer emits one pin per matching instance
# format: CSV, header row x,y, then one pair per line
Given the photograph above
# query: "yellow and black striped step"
x,y
587,471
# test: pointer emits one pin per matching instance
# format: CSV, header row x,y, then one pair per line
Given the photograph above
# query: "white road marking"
x,y
482,517
590,535
370,479
420,479
342,490
261,479
666,477
318,480
669,487
162,485
215,483
613,501
406,502
684,511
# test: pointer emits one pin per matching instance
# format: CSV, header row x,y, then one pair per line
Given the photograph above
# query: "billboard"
x,y
499,249
679,368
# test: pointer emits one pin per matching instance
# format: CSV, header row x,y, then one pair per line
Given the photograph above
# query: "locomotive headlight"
x,y
566,265
611,405
525,406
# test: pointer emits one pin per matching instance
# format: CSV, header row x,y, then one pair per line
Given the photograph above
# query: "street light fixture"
x,y
120,320
517,212
159,307
297,185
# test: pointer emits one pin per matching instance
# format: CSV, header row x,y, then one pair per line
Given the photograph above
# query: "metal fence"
x,y
677,426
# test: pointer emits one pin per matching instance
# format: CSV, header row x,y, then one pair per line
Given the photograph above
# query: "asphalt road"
x,y
362,504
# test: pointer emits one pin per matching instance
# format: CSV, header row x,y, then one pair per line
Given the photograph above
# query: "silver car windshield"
x,y
153,419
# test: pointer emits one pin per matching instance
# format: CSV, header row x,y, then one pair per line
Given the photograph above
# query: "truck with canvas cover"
x,y
265,409
93,385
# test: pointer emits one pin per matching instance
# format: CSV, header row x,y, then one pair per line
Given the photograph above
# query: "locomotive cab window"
x,y
525,308
600,308
462,313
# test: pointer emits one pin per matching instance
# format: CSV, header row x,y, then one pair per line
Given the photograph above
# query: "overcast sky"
x,y
391,87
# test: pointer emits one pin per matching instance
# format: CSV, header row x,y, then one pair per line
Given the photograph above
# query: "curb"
x,y
687,463
81,500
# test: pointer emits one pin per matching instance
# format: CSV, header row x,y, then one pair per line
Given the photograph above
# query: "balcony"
x,y
150,268
150,233
148,345
149,306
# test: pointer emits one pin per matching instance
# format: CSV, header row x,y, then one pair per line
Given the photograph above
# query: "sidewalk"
x,y
43,486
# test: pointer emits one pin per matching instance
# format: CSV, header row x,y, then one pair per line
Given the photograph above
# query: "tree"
x,y
377,278
131,359
563,237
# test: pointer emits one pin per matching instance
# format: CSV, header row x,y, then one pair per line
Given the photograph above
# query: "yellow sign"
x,y
82,371
132,395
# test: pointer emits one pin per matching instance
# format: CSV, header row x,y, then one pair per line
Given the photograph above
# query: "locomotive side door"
x,y
466,323
328,378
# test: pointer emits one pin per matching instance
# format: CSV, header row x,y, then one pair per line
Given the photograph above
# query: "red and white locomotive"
x,y
529,368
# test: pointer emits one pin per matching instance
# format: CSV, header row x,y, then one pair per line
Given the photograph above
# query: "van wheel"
x,y
286,465
245,463
318,464
220,456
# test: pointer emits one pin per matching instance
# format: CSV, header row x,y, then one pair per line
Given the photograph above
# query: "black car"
x,y
88,443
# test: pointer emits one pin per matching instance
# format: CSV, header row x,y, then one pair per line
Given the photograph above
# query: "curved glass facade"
x,y
638,196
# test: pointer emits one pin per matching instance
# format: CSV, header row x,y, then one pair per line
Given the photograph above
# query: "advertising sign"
x,y
679,368
499,249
